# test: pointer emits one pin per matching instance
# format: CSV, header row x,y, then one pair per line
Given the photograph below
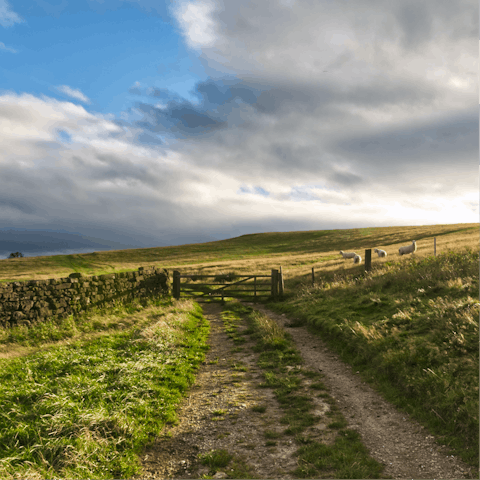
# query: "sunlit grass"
x,y
87,409
411,326
297,252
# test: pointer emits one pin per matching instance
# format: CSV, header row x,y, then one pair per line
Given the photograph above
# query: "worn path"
x,y
218,414
392,437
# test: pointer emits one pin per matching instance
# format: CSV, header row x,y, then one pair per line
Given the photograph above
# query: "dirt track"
x,y
393,439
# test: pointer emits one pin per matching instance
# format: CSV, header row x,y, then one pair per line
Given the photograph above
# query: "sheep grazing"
x,y
408,249
380,253
357,259
347,254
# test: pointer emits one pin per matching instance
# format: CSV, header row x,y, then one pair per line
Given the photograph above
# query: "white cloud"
x,y
335,118
74,93
7,16
7,49
196,23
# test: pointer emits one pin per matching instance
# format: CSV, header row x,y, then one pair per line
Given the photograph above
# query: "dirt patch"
x,y
403,445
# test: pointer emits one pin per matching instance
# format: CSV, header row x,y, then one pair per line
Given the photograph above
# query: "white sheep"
x,y
380,253
408,249
357,259
347,254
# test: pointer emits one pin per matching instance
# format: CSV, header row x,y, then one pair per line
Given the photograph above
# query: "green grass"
x,y
411,328
259,408
88,408
228,255
346,458
216,459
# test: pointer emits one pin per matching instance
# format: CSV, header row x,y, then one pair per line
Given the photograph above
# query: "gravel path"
x,y
393,438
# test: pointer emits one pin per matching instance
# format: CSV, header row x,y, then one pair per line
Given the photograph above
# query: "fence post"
x,y
281,285
255,289
176,284
274,283
313,276
434,246
368,259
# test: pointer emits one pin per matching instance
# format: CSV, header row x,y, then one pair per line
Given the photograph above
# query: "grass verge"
x,y
88,408
411,328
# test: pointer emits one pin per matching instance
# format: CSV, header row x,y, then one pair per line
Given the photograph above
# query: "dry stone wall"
x,y
34,301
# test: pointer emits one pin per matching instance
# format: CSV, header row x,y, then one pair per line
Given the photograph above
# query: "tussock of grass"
x,y
259,408
412,327
85,410
216,459
346,458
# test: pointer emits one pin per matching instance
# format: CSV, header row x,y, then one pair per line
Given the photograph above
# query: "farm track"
x,y
393,439
403,445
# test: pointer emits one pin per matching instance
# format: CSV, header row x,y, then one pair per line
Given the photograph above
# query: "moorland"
x,y
81,397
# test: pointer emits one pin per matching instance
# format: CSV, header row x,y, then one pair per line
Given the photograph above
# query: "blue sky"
x,y
101,52
143,123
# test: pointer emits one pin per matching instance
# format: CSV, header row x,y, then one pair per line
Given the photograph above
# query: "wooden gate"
x,y
245,286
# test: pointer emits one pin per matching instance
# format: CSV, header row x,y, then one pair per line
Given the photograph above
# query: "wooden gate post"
x,y
281,285
255,289
313,276
176,284
274,283
368,259
434,246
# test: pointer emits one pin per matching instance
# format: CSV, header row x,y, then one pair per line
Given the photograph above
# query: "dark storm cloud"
x,y
222,104
164,94
221,92
219,102
181,119
147,138
347,179
19,204
451,139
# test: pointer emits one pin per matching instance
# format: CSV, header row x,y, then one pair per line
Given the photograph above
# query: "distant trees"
x,y
16,255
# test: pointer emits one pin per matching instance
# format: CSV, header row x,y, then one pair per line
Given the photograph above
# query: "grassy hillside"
x,y
247,253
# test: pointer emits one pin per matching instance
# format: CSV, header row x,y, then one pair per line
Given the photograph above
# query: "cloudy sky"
x,y
145,123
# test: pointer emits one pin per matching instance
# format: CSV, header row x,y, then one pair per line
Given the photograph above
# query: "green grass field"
x,y
82,396
296,251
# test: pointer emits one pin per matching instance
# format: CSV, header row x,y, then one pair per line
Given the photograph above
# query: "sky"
x,y
141,123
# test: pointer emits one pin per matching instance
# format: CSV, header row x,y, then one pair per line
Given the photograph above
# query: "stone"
x,y
220,475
